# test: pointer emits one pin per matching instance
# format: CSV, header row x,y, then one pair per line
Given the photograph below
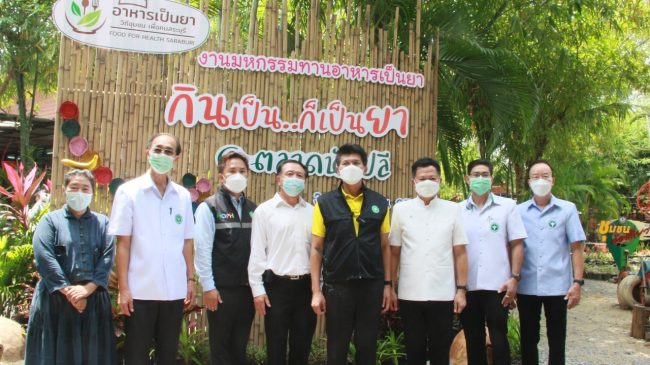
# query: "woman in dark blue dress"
x,y
70,320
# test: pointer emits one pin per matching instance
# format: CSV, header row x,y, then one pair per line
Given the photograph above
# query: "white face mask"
x,y
351,174
236,183
77,200
427,188
540,187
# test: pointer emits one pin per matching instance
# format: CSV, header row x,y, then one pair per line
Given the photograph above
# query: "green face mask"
x,y
161,163
480,185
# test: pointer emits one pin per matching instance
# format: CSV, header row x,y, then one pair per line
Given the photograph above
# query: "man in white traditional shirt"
x,y
495,253
428,245
152,219
278,269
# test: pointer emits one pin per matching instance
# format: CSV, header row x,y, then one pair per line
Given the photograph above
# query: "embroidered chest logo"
x,y
494,227
375,209
250,213
178,218
552,224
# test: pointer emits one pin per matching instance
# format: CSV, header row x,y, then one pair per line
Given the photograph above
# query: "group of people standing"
x,y
347,257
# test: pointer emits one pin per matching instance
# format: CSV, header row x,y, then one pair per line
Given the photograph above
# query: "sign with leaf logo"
x,y
148,26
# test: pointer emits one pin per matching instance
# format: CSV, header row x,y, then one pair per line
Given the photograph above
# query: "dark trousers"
x,y
156,322
555,311
290,318
352,307
484,307
230,326
427,325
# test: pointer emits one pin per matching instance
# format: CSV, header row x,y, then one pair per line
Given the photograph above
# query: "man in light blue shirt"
x,y
495,233
552,273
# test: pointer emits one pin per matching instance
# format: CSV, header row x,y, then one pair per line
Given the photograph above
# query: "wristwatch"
x,y
388,282
461,287
515,276
580,282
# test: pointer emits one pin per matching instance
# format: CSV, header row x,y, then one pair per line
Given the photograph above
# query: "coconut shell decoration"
x,y
103,175
78,146
203,185
69,110
115,183
70,128
194,194
189,180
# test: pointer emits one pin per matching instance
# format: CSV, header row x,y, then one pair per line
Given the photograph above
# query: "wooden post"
x,y
640,316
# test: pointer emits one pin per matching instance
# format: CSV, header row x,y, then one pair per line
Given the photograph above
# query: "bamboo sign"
x,y
318,164
250,114
386,75
126,97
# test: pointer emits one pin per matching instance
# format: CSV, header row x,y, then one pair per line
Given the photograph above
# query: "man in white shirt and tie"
x,y
278,268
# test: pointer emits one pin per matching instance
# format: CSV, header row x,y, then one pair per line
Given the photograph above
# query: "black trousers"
x,y
555,311
352,307
427,331
484,306
289,319
155,322
230,326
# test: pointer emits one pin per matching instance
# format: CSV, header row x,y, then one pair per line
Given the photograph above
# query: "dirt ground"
x,y
598,331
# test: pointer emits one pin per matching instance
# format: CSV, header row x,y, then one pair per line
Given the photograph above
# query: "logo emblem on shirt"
x,y
494,227
250,213
552,224
225,216
178,218
375,209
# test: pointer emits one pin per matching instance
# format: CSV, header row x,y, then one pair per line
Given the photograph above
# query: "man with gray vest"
x,y
350,243
222,245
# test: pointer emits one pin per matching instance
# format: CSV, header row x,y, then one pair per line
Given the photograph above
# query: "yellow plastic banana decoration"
x,y
90,165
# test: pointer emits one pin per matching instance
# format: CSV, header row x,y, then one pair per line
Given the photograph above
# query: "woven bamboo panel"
x,y
122,98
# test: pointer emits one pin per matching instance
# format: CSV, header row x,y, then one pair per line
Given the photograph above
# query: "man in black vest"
x,y
222,245
350,241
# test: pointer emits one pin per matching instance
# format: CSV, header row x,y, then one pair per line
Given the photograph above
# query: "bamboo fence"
x,y
122,97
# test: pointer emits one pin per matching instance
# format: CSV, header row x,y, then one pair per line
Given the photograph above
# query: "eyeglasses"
x,y
166,151
480,174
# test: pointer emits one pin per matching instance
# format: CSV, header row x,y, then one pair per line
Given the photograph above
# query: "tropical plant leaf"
x,y
90,19
75,9
13,178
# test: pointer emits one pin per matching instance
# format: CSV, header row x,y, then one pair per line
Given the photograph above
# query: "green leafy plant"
x,y
514,338
318,353
193,347
391,348
255,355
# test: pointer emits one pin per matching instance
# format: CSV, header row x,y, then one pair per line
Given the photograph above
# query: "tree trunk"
x,y
520,180
23,120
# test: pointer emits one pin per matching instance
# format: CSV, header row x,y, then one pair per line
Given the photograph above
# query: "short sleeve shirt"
x,y
427,235
547,268
158,226
489,229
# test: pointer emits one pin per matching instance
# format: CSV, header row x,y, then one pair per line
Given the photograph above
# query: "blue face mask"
x,y
293,186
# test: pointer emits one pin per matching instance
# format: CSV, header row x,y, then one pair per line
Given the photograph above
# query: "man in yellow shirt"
x,y
350,243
